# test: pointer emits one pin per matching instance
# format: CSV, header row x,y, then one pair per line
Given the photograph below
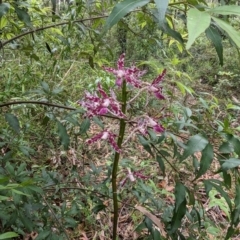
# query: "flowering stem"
x,y
116,161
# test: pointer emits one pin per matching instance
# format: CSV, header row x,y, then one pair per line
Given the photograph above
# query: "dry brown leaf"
x,y
155,220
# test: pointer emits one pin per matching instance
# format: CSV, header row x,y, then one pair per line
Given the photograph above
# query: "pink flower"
x,y
105,135
101,104
155,86
144,123
130,75
132,176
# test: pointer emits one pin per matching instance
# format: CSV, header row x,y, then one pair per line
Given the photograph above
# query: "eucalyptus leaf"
x,y
122,9
226,10
206,160
197,23
232,33
214,36
161,7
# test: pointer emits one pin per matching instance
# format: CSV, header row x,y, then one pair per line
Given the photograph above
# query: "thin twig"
x,y
54,215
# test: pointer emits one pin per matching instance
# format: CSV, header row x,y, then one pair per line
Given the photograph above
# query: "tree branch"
x,y
36,102
47,27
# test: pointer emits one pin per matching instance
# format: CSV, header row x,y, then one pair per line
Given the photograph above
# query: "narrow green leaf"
x,y
180,194
161,7
226,10
214,36
64,138
161,164
85,125
194,144
8,235
230,232
43,235
45,87
232,33
235,143
164,26
4,7
122,9
206,160
146,144
23,16
197,23
230,163
98,122
13,122
177,216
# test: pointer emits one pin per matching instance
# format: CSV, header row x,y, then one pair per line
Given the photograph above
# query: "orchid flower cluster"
x,y
102,104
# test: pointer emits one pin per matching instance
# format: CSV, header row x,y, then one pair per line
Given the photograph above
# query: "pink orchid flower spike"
x,y
155,87
105,135
131,75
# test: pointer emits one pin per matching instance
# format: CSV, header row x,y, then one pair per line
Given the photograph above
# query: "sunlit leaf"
x,y
197,23
226,10
8,235
232,33
122,9
161,7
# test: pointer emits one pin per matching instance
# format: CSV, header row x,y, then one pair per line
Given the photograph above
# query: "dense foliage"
x,y
119,119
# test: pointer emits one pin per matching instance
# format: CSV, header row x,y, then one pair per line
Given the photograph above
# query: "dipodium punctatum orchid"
x,y
145,122
101,104
155,87
130,75
105,135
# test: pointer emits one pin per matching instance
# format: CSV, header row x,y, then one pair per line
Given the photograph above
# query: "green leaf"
x,y
168,30
177,216
209,184
85,125
64,138
232,33
23,16
161,164
226,147
214,36
122,9
235,143
195,144
4,7
13,122
180,194
8,235
206,160
146,144
43,235
197,23
226,10
230,163
161,7
45,87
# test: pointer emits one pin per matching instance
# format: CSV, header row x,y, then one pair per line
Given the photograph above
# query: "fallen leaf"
x,y
154,219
